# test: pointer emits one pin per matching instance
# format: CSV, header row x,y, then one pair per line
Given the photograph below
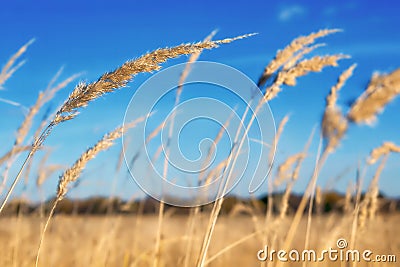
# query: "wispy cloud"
x,y
289,12
13,103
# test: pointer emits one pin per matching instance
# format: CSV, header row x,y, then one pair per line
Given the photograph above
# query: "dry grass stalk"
x,y
215,171
357,205
334,124
45,121
211,176
333,96
211,151
231,246
373,192
42,99
42,172
286,195
361,205
293,61
270,163
26,125
156,131
185,73
214,214
288,77
384,149
10,153
314,64
318,200
193,58
182,79
369,205
279,132
381,90
10,68
109,82
295,175
150,137
160,127
285,170
334,127
308,196
157,154
362,220
290,53
121,156
310,192
73,173
347,207
221,131
45,171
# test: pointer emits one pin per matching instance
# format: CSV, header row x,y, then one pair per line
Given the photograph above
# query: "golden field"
x,y
129,240
205,236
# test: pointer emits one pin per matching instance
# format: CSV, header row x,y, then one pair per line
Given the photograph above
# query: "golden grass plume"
x,y
334,123
292,51
381,90
73,173
10,67
109,82
384,149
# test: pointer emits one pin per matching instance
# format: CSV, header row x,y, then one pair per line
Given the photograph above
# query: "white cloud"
x,y
289,12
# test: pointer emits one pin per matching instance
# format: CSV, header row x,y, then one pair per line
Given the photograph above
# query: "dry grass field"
x,y
129,241
206,237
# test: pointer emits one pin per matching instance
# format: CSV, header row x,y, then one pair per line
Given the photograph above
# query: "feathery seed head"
x,y
380,91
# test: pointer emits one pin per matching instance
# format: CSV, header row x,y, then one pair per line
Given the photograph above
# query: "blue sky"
x,y
97,36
